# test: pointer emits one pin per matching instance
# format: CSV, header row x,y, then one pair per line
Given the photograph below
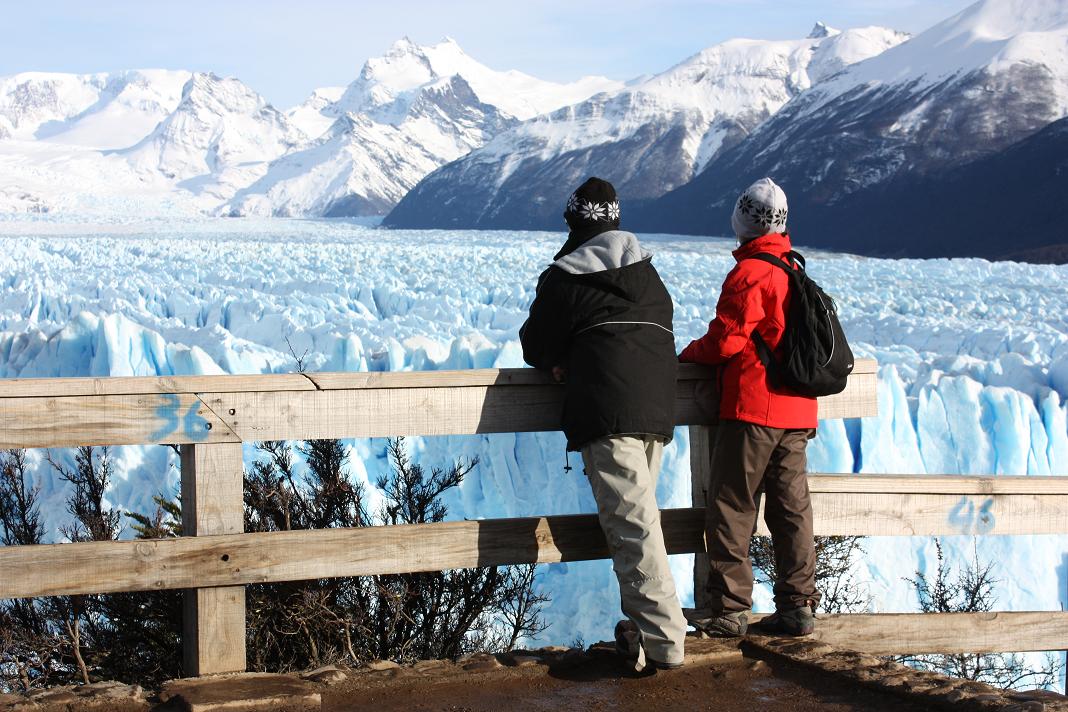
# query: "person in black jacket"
x,y
601,323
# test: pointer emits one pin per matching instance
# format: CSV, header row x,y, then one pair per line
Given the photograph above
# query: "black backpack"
x,y
816,359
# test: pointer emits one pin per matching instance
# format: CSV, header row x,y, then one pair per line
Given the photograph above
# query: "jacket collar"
x,y
609,250
583,233
774,243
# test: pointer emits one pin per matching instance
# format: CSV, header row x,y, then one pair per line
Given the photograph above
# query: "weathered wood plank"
x,y
879,514
213,623
177,418
939,484
386,412
57,569
858,400
64,569
358,380
288,406
948,633
866,365
213,630
146,385
488,377
460,410
700,478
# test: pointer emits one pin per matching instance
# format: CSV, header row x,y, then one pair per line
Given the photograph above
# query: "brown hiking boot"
x,y
796,622
718,624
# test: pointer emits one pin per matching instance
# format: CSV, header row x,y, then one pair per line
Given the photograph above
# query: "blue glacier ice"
x,y
973,363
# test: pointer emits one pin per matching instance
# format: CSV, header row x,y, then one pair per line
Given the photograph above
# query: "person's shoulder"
x,y
750,272
553,278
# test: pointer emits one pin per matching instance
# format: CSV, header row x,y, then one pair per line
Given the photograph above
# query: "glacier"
x,y
973,364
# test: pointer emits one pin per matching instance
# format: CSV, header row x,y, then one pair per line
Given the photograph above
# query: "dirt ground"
x,y
599,686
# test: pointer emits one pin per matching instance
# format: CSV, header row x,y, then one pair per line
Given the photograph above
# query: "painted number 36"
x,y
969,519
191,425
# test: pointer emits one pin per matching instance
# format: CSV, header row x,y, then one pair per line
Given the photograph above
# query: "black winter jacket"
x,y
602,312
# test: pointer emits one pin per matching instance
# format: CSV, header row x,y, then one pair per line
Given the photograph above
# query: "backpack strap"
x,y
771,366
795,257
764,353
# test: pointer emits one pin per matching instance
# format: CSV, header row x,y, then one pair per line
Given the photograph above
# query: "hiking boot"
x,y
718,624
629,646
797,621
630,649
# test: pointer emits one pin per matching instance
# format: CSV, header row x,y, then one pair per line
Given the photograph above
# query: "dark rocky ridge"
x,y
1005,202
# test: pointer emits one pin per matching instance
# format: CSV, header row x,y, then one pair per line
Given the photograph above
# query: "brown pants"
x,y
748,460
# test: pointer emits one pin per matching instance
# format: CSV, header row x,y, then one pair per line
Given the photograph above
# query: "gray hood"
x,y
607,251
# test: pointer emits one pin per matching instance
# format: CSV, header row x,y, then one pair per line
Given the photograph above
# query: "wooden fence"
x,y
211,416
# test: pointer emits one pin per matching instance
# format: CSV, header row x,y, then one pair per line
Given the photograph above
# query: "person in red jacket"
x,y
761,436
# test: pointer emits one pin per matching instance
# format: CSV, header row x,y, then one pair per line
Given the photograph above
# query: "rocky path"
x,y
767,674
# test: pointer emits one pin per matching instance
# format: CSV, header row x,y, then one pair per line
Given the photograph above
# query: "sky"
x,y
285,49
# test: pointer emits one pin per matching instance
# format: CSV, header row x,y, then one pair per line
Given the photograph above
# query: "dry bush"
x,y
136,637
971,590
836,557
402,617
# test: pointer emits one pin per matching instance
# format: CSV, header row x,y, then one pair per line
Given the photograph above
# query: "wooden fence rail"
x,y
211,416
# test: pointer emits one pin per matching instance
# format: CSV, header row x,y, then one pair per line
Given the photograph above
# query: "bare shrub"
x,y
836,557
136,637
402,617
971,590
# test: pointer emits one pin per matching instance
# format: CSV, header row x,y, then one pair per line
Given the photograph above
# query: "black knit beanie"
x,y
593,204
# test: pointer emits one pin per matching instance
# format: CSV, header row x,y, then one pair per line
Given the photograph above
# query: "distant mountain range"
x,y
952,143
155,141
948,143
647,138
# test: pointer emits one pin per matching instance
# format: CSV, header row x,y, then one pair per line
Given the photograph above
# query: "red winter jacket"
x,y
755,295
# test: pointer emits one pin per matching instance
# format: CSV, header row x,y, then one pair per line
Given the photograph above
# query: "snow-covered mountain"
x,y
143,141
409,112
647,138
386,83
59,134
218,139
971,87
310,117
363,167
73,142
102,111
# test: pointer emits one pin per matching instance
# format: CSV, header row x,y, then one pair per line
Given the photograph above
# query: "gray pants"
x,y
622,471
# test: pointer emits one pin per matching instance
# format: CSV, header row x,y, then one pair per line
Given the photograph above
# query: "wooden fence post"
x,y
700,473
213,628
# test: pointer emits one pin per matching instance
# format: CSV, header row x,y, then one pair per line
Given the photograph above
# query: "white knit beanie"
x,y
760,210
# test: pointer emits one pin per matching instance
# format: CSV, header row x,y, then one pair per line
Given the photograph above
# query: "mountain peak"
x,y
991,36
1003,19
402,45
822,30
208,91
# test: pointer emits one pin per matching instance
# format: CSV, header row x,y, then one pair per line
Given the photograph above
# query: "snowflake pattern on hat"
x,y
592,211
764,215
596,212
